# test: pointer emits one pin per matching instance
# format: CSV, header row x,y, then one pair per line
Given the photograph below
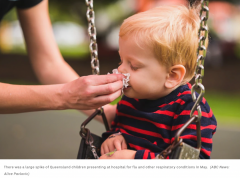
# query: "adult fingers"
x,y
106,99
105,79
107,88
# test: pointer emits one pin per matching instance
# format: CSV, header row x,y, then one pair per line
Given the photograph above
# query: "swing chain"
x,y
201,55
85,133
92,32
165,153
93,149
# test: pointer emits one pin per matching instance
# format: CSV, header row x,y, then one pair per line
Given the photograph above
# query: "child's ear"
x,y
175,76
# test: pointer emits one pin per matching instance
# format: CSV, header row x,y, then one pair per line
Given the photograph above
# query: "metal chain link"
x,y
201,55
93,149
92,32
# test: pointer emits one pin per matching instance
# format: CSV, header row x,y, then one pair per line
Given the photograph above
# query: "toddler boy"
x,y
158,49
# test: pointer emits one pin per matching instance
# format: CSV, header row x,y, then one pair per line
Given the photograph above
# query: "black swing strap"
x,y
91,143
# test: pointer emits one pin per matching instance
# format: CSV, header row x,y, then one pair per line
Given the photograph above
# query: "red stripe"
x,y
136,99
194,137
206,152
175,127
193,126
208,115
113,123
213,127
145,132
126,104
204,100
203,139
110,130
180,101
124,131
187,112
145,155
163,105
168,113
163,126
189,85
152,155
184,93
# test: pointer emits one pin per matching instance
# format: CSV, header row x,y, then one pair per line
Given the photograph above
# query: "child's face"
x,y
147,75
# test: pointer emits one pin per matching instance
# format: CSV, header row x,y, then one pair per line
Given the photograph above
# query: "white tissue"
x,y
125,80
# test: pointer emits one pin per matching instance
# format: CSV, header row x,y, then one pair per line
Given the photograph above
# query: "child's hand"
x,y
122,154
115,141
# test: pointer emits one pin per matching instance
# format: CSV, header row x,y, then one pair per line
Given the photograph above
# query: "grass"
x,y
225,106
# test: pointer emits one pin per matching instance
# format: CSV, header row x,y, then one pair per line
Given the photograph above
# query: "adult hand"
x,y
113,142
123,154
91,92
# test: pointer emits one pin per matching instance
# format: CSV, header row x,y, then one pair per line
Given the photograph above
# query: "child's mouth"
x,y
128,87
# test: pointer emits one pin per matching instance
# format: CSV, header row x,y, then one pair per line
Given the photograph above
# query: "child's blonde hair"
x,y
172,32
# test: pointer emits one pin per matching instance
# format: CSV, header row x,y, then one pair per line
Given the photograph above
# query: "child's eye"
x,y
133,68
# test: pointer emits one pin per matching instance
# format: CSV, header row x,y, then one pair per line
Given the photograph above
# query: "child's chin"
x,y
129,95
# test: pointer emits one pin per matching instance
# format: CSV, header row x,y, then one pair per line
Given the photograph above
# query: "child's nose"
x,y
121,69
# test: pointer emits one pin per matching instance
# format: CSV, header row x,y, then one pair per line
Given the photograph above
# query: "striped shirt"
x,y
149,126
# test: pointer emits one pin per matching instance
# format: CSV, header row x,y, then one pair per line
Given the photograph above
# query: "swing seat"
x,y
85,151
185,151
90,145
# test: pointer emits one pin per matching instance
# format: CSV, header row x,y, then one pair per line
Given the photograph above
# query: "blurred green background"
x,y
54,134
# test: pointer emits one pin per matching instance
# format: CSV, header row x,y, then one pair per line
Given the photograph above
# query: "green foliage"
x,y
73,10
77,52
11,15
225,106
